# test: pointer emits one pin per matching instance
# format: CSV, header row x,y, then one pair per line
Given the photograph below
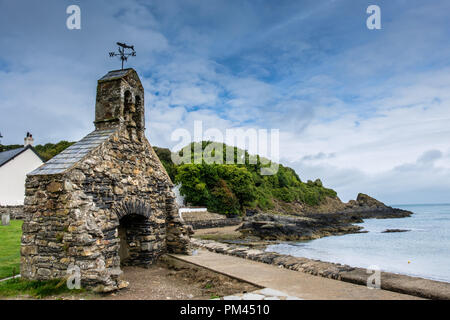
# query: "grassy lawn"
x,y
35,289
10,248
10,259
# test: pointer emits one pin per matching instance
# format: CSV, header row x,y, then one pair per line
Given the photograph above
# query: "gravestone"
x,y
5,219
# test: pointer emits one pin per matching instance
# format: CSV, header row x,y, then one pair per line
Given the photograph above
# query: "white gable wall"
x,y
13,175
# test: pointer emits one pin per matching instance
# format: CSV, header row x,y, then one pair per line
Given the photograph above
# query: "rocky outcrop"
x,y
313,224
367,207
291,228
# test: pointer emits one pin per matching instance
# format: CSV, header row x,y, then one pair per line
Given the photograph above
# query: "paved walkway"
x,y
262,294
294,283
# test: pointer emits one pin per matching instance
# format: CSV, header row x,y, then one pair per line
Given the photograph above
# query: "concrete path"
x,y
294,283
261,294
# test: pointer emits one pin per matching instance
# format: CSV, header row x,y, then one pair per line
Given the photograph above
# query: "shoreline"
x,y
401,283
356,265
276,230
352,250
231,236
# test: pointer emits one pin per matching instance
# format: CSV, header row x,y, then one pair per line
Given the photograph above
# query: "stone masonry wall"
x,y
214,223
15,212
74,216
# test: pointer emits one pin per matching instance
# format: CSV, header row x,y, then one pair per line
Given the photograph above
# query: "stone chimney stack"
x,y
28,141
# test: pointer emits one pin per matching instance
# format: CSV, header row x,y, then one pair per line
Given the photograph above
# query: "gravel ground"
x,y
171,279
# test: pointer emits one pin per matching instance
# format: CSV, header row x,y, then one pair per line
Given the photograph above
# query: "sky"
x,y
363,110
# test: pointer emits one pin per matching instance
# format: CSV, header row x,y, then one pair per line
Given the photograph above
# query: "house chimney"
x,y
28,141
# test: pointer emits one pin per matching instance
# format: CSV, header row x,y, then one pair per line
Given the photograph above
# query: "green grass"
x,y
34,288
10,238
10,248
209,285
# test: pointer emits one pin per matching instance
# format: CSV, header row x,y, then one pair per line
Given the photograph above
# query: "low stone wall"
x,y
389,281
15,212
217,223
206,219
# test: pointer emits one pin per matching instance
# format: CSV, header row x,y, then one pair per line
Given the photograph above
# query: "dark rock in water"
x,y
291,228
395,230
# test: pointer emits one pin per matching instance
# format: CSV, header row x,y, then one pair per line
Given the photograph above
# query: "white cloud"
x,y
403,147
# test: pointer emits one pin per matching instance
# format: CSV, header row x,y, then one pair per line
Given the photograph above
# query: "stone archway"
x,y
140,233
132,231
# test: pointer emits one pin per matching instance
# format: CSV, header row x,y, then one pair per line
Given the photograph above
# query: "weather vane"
x,y
122,54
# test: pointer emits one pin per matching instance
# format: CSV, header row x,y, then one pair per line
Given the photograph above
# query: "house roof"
x,y
8,155
73,154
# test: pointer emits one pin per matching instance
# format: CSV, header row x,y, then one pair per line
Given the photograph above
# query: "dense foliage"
x,y
230,189
164,155
46,151
50,150
9,147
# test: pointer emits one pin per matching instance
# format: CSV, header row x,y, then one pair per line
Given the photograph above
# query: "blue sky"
x,y
364,110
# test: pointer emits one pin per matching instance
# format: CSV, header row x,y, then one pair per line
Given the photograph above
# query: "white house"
x,y
14,166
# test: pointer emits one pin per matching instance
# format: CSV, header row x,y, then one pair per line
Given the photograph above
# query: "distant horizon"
x,y
419,204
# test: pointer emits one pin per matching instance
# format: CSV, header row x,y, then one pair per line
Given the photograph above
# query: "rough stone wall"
x,y
205,219
120,101
43,250
15,212
178,233
216,223
75,216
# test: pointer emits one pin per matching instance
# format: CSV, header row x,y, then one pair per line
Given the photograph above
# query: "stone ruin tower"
x,y
104,202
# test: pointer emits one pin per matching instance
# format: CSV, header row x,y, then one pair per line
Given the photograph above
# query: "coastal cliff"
x,y
333,217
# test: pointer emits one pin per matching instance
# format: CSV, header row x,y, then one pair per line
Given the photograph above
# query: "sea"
x,y
424,251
